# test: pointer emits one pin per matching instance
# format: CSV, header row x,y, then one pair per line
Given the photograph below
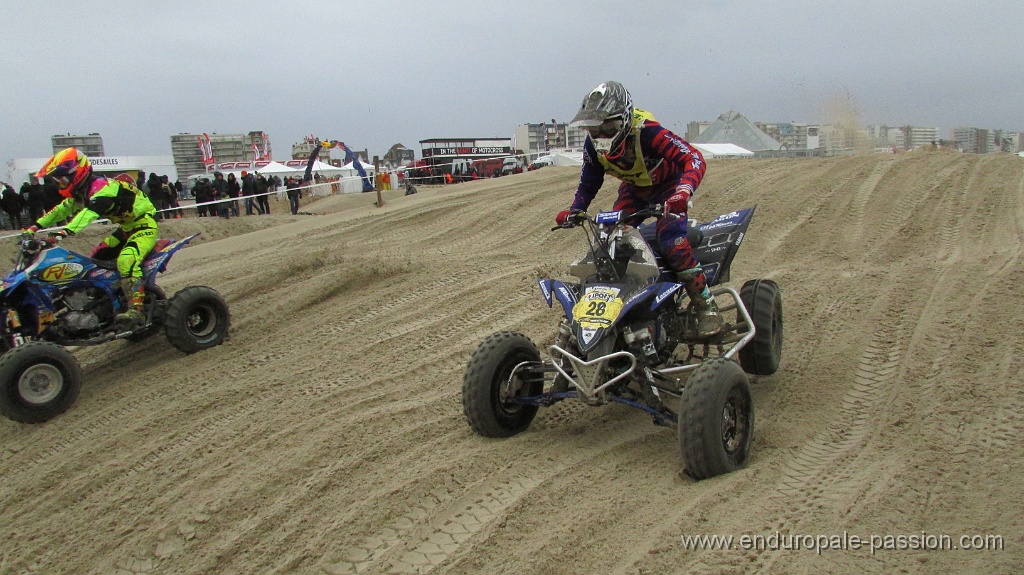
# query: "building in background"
x,y
694,129
398,155
302,150
91,144
464,155
972,140
187,150
792,135
917,136
1013,142
24,169
537,139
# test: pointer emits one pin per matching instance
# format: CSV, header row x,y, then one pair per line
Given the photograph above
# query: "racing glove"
x,y
54,238
680,202
569,216
30,231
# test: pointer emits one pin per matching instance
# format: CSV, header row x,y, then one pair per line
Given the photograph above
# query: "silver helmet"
x,y
606,114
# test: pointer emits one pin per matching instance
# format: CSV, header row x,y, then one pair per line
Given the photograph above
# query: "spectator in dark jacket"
x,y
234,189
220,192
32,193
262,194
203,193
294,195
155,192
248,191
13,204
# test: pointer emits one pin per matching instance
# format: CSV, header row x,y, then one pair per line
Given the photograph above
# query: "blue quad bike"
x,y
629,336
55,297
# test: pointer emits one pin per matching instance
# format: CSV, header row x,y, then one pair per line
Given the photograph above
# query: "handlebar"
x,y
653,211
31,243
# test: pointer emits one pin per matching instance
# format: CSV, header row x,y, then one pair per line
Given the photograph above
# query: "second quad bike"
x,y
55,297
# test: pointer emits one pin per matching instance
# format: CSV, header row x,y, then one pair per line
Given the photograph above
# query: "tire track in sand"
x,y
814,474
439,526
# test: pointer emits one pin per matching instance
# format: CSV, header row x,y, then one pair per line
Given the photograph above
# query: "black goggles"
x,y
606,129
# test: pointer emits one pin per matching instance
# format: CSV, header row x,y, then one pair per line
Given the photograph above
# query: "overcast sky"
x,y
373,74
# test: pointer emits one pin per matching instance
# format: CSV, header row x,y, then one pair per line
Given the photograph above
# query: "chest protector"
x,y
631,167
122,203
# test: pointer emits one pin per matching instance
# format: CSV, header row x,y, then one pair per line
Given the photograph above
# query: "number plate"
x,y
598,307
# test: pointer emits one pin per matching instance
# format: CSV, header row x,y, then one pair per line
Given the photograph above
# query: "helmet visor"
x,y
606,129
63,182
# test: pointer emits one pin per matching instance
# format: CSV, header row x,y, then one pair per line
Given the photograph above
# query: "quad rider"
x,y
90,196
656,167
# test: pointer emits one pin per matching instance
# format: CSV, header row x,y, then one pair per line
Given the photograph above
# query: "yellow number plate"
x,y
598,308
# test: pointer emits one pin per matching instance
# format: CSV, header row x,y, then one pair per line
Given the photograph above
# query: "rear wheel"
x,y
38,381
716,419
488,387
197,318
763,300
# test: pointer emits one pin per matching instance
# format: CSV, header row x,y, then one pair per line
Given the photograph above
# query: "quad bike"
x,y
55,297
629,336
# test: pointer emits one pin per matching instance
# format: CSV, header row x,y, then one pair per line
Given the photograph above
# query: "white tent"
x,y
722,150
368,168
278,169
326,169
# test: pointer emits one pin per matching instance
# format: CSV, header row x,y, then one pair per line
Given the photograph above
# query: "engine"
x,y
85,310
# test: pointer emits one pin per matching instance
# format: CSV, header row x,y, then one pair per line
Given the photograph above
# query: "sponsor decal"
x,y
666,294
608,217
545,289
739,239
59,272
715,226
101,274
566,293
710,272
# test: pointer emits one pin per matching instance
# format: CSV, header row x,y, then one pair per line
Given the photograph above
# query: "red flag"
x,y
208,158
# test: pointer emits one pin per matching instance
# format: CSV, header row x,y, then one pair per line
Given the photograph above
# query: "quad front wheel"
x,y
716,419
197,318
38,381
492,381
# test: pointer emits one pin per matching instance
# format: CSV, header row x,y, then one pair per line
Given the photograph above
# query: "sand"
x,y
327,435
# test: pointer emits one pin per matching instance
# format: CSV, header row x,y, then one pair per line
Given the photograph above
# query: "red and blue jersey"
x,y
655,158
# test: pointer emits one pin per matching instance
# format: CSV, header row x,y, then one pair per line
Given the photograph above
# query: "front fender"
x,y
555,289
11,283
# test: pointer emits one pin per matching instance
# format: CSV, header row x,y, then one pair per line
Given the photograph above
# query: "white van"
x,y
511,165
542,161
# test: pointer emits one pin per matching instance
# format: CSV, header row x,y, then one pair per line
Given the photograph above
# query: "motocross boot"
x,y
709,318
132,317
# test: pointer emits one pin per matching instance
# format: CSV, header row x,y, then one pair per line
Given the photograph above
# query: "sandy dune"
x,y
327,435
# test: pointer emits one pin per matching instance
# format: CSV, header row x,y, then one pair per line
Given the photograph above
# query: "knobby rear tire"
x,y
197,319
763,300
